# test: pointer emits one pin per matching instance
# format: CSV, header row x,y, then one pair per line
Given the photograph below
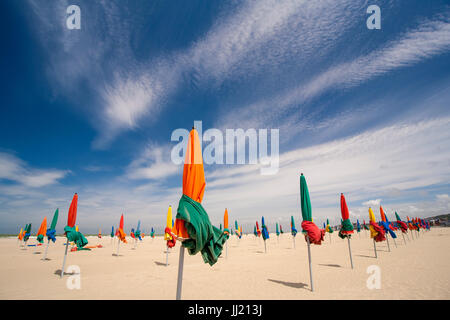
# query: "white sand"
x,y
419,270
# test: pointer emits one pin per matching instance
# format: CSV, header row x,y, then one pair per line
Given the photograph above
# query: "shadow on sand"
x,y
298,285
330,265
58,272
361,255
159,263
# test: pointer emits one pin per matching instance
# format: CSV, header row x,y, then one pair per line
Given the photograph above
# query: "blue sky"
x,y
363,112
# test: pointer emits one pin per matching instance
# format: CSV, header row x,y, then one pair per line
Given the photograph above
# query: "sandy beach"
x,y
417,270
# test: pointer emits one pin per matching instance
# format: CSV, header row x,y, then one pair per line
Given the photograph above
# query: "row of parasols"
x,y
193,229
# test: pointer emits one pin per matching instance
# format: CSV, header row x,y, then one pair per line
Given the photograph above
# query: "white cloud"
x,y
14,169
363,167
431,38
443,197
372,203
153,163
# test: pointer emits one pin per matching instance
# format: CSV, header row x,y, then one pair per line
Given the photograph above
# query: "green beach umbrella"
x,y
312,233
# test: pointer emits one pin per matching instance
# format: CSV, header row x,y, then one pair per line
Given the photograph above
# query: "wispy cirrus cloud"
x,y
240,42
429,39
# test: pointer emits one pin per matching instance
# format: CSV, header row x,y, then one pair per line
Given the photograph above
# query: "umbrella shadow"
x,y
117,255
37,252
330,265
58,272
361,255
46,259
298,285
159,263
259,251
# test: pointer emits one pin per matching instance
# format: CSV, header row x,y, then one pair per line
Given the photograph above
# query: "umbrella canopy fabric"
x,y
310,229
138,233
277,230
192,222
257,229
120,233
171,241
293,230
21,234
376,232
346,225
254,231
51,232
225,224
112,232
152,233
281,229
27,232
328,228
265,231
41,232
385,224
365,227
72,216
77,237
358,226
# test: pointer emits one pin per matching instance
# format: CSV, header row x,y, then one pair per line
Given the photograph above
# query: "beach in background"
x,y
417,270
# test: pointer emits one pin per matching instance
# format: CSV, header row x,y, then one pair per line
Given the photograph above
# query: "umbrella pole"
x,y
404,238
226,250
64,261
265,249
375,248
310,268
118,247
167,256
46,249
293,238
394,242
180,272
350,251
329,235
387,239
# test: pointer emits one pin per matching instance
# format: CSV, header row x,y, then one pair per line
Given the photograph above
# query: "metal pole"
x,y
46,249
226,250
180,272
375,249
118,247
310,268
265,249
350,251
387,239
293,237
403,237
394,242
167,256
64,261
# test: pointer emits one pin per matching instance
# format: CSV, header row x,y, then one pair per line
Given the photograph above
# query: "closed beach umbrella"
x,y
226,232
41,232
27,232
171,241
376,232
70,231
192,224
312,233
347,227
